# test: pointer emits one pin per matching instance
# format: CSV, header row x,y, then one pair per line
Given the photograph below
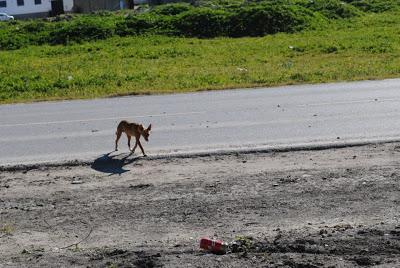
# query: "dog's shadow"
x,y
113,164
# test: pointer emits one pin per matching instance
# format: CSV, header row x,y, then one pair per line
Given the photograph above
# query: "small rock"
x,y
140,186
76,182
26,252
323,231
363,261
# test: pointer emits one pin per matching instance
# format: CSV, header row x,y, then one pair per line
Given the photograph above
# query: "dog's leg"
x,y
118,133
129,142
141,147
134,147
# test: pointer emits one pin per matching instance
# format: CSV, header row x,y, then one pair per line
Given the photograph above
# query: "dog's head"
x,y
145,132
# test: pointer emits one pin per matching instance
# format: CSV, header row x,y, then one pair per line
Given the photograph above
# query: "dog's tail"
x,y
120,126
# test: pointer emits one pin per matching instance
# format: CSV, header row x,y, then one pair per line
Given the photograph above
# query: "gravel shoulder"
x,y
327,208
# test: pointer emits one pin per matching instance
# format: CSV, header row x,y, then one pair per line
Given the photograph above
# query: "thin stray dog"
x,y
132,129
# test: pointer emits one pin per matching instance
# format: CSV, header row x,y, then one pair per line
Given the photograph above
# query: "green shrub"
x,y
172,9
134,25
333,9
269,19
34,26
376,6
81,30
11,41
202,22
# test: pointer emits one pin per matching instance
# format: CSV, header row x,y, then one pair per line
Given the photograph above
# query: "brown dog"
x,y
132,129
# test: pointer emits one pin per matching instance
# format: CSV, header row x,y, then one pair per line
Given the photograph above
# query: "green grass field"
x,y
365,47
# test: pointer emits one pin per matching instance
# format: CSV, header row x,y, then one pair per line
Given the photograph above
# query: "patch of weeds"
x,y
297,48
35,251
75,248
242,244
287,64
330,49
378,48
7,229
299,77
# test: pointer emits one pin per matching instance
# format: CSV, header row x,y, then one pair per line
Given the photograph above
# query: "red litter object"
x,y
213,245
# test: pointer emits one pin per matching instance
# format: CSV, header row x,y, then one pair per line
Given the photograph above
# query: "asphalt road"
x,y
198,122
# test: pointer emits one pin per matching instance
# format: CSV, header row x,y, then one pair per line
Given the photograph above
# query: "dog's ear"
x,y
141,127
149,128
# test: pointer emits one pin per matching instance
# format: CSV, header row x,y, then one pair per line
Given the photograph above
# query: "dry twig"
x,y
77,243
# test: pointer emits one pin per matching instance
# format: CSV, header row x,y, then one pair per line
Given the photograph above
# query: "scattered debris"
x,y
24,251
140,186
242,244
76,245
364,261
243,70
214,245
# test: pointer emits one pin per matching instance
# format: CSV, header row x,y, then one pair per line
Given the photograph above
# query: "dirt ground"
x,y
328,208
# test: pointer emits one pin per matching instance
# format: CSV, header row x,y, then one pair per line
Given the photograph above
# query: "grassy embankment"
x,y
357,48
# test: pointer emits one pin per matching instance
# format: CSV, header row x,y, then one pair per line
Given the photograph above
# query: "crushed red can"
x,y
213,245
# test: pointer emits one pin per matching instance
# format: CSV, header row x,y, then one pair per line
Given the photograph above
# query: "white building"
x,y
35,8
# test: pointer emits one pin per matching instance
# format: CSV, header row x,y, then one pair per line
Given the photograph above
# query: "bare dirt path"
x,y
329,208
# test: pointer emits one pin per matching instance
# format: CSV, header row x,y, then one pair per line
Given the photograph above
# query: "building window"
x,y
38,2
20,2
3,3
